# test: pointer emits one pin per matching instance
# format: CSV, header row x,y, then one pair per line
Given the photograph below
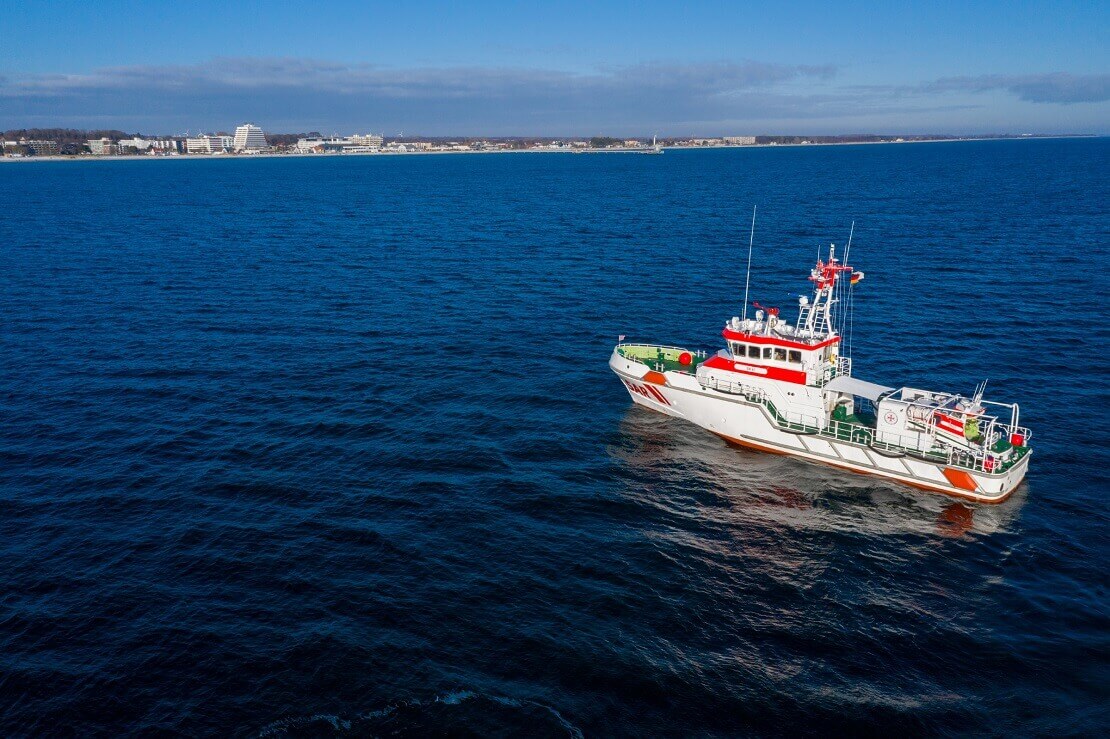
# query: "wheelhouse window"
x,y
780,355
766,352
753,352
795,356
737,349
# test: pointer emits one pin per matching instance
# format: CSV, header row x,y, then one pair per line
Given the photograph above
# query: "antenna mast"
x,y
748,276
848,301
848,249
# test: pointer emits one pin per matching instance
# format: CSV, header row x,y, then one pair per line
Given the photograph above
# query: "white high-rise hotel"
x,y
249,137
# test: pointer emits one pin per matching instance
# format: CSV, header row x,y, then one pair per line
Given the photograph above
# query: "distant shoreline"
x,y
277,155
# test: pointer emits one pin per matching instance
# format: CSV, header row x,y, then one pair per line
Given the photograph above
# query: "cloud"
x,y
1058,87
293,94
460,99
457,82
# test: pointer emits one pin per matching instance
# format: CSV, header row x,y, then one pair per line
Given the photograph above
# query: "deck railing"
x,y
664,347
919,445
830,371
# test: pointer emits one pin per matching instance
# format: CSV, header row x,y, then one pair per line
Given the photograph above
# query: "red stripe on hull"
x,y
646,391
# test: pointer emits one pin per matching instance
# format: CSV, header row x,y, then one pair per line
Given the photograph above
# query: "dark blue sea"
x,y
330,447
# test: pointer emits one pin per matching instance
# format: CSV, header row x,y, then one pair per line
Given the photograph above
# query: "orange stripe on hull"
x,y
960,479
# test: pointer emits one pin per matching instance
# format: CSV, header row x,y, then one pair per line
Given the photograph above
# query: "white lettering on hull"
x,y
750,368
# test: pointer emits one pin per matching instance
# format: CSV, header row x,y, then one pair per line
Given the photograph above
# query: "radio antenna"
x,y
840,286
848,250
748,276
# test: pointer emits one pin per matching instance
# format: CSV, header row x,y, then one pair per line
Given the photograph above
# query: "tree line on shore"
x,y
65,135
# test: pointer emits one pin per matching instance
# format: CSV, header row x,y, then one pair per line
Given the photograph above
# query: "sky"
x,y
557,69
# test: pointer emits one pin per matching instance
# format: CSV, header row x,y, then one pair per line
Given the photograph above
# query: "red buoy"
x,y
684,358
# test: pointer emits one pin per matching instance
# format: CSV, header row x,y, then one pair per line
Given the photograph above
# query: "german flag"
x,y
856,277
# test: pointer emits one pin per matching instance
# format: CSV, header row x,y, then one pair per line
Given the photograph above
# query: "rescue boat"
x,y
788,388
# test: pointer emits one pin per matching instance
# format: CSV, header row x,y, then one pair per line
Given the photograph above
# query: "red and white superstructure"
x,y
788,388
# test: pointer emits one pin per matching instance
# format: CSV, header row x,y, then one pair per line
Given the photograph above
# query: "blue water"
x,y
318,447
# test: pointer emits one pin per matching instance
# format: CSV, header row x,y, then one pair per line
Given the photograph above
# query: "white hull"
x,y
748,423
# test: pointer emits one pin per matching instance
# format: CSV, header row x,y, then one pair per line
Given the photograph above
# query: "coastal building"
x,y
167,146
740,140
30,148
371,140
309,145
138,144
320,145
206,144
42,148
249,137
151,146
357,144
101,147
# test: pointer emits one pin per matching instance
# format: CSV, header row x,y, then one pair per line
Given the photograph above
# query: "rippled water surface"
x,y
330,447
